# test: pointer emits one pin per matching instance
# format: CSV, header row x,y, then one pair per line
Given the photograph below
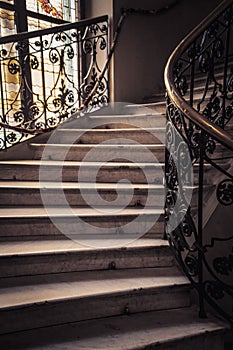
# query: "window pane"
x,y
45,7
7,25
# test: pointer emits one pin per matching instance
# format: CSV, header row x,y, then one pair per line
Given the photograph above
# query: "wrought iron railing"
x,y
203,118
46,75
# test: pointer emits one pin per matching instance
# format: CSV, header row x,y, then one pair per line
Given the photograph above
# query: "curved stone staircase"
x,y
92,293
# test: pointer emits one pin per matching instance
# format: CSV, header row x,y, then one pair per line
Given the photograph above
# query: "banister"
x,y
73,55
57,29
216,132
199,83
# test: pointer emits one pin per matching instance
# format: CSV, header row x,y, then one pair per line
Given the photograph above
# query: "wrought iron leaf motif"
x,y
88,46
212,108
13,66
193,51
11,137
177,240
188,226
54,56
104,29
182,85
14,137
34,110
225,192
103,44
70,52
224,265
19,117
34,62
192,265
94,28
218,48
210,146
68,63
205,62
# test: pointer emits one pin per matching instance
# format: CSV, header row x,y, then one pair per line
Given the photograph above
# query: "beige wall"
x,y
146,42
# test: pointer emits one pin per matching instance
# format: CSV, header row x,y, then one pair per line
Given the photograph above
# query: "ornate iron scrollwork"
x,y
206,60
47,77
225,192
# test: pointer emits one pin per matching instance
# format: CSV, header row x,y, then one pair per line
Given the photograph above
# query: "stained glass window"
x,y
7,25
67,10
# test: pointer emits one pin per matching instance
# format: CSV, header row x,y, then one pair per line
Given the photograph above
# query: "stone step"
x,y
28,193
38,301
107,119
73,171
101,227
132,109
28,170
157,106
164,330
20,258
117,153
109,136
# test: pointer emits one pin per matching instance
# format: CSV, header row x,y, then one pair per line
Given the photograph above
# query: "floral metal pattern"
x,y
44,79
207,62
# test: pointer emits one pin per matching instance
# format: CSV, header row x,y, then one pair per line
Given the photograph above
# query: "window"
x,y
27,15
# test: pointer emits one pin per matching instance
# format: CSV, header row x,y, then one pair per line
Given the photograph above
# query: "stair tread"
x,y
84,185
115,130
38,162
76,185
104,146
26,290
127,332
22,248
28,212
146,112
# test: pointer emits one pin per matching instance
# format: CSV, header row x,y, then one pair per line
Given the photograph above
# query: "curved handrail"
x,y
215,131
201,51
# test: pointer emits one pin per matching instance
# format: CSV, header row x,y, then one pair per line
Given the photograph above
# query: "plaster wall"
x,y
146,42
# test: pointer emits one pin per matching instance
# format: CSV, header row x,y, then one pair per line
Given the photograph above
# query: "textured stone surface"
x,y
170,330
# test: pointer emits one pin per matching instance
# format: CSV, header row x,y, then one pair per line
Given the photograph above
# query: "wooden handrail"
x,y
215,131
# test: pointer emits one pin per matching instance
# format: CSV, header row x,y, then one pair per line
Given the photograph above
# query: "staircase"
x,y
95,284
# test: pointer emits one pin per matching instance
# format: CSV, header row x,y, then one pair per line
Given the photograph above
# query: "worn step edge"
x,y
21,260
128,332
41,212
15,291
116,153
92,302
88,228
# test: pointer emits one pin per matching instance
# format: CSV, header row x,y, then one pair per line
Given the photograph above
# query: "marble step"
x,y
117,153
109,136
28,170
30,193
99,226
151,104
20,258
73,171
107,118
164,330
38,301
